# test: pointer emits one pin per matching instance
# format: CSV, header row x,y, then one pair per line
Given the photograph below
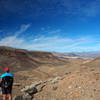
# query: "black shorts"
x,y
7,90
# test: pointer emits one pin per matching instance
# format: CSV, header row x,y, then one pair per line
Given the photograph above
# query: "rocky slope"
x,y
19,59
77,81
76,86
71,86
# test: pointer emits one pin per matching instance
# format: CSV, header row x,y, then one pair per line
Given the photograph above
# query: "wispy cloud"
x,y
62,44
50,43
22,29
13,40
58,44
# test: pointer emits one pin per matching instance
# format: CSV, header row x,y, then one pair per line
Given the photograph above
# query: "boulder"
x,y
23,97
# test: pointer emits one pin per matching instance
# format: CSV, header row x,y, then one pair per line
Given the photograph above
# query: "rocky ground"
x,y
79,80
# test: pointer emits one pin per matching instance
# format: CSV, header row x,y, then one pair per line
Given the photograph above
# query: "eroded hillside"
x,y
19,59
44,76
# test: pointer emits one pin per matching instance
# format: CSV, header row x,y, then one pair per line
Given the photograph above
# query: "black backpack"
x,y
7,82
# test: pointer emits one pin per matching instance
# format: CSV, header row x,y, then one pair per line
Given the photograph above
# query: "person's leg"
x,y
4,96
9,93
9,97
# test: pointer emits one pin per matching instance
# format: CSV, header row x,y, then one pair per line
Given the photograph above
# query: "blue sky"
x,y
50,25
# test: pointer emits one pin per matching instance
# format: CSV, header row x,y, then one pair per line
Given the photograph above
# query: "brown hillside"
x,y
19,59
93,64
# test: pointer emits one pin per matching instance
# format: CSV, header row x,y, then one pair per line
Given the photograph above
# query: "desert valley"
x,y
52,76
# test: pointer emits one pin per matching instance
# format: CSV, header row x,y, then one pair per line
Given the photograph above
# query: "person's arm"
x,y
0,81
0,78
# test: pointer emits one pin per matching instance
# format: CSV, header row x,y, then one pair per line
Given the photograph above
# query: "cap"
x,y
6,69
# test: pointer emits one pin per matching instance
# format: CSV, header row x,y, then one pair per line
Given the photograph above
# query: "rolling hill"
x,y
19,59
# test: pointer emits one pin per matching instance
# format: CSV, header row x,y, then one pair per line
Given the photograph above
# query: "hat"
x,y
6,69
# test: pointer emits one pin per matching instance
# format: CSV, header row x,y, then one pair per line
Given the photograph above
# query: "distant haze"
x,y
79,55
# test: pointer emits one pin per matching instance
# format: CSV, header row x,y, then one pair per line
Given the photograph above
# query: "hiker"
x,y
6,84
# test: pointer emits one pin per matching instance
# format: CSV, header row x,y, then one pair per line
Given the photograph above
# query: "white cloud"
x,y
62,44
22,29
54,39
54,43
13,40
46,43
50,43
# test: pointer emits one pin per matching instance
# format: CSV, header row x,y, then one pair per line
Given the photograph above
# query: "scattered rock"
x,y
32,91
32,86
56,79
70,87
54,88
20,97
23,97
16,84
27,97
67,73
29,91
40,88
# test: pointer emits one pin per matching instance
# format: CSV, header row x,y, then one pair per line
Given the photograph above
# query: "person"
x,y
6,84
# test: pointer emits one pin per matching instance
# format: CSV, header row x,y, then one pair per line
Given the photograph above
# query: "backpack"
x,y
7,82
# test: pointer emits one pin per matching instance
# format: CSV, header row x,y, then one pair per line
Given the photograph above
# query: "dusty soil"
x,y
76,86
81,80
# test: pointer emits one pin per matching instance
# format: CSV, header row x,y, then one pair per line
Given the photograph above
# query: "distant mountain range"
x,y
79,55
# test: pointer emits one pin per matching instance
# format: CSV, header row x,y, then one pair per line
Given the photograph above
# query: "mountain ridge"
x,y
24,59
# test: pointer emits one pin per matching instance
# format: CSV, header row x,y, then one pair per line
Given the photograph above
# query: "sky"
x,y
50,25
